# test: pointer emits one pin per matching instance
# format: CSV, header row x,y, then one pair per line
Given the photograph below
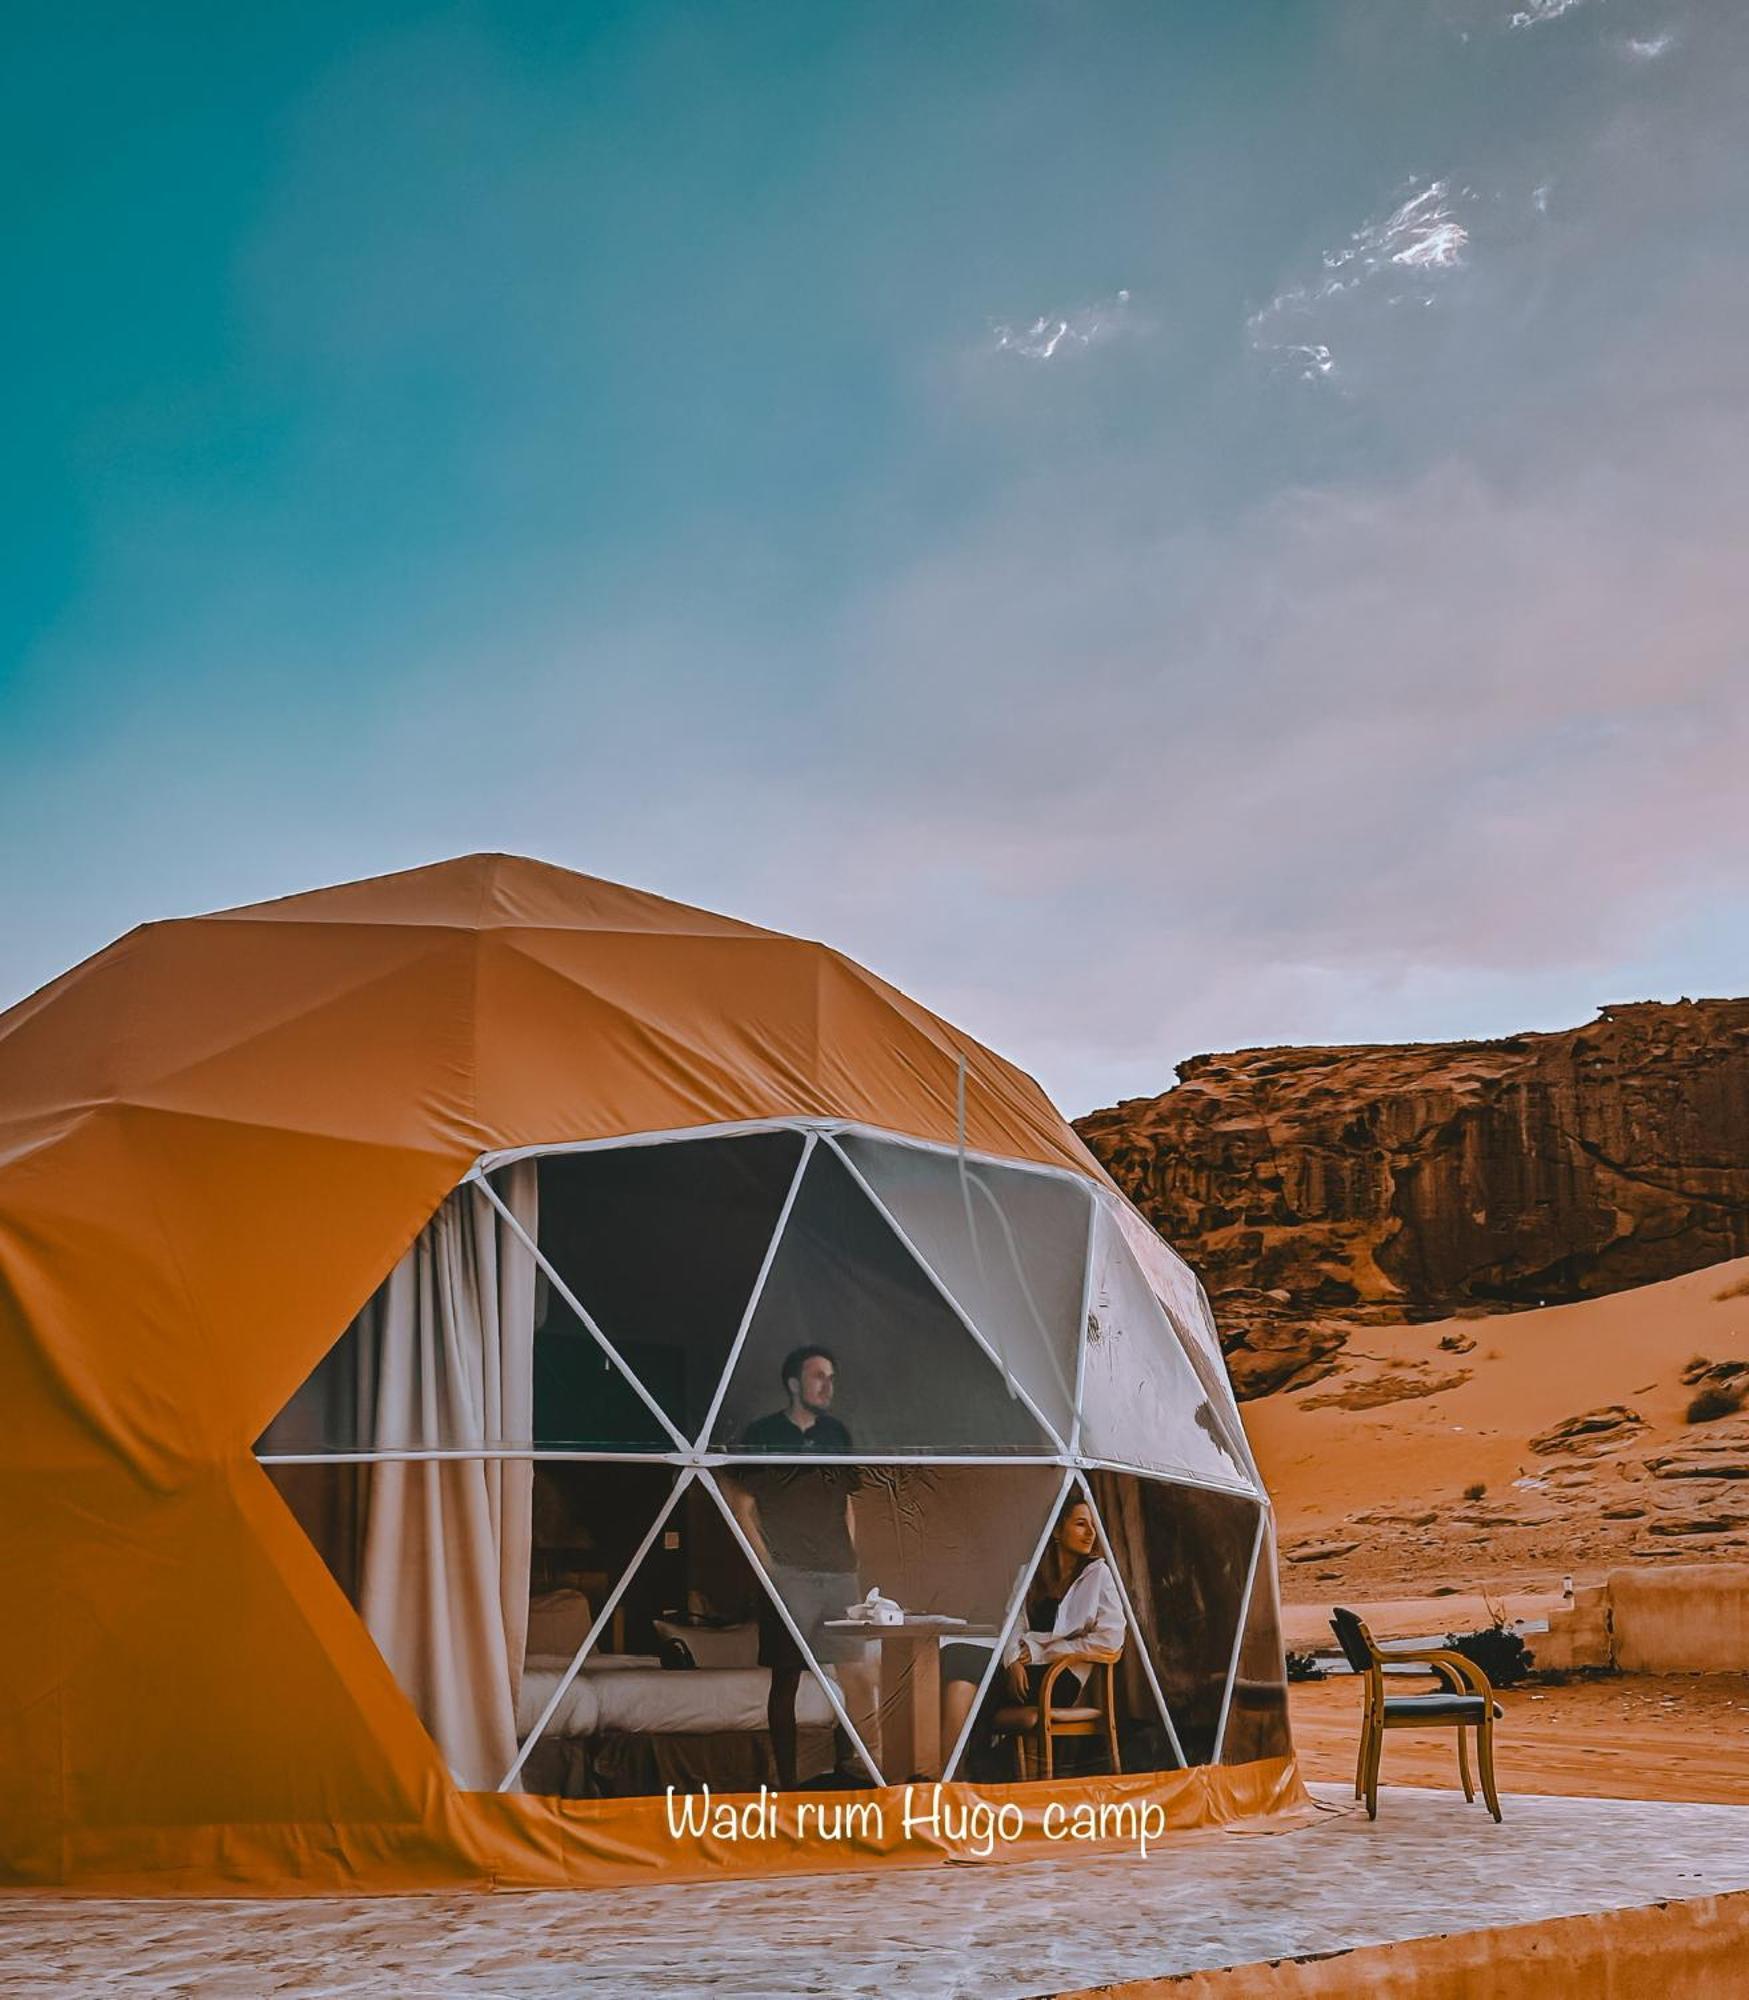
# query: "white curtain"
x,y
445,1356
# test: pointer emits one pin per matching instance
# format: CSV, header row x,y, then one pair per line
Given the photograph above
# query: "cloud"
x,y
1378,739
1395,257
1421,234
1437,740
1180,708
1537,12
1055,335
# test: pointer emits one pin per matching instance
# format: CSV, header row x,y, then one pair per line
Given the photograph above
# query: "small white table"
x,y
911,1729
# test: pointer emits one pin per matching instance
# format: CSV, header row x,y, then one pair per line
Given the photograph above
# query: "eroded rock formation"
x,y
1316,1188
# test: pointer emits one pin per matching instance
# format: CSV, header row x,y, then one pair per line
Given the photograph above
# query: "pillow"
x,y
558,1622
714,1645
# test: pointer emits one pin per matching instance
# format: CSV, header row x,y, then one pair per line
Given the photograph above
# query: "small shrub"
x,y
1479,1491
1714,1402
1502,1655
1303,1666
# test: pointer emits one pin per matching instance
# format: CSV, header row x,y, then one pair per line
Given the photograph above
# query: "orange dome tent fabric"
x,y
216,1138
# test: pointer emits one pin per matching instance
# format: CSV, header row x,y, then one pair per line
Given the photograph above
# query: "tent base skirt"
x,y
506,1841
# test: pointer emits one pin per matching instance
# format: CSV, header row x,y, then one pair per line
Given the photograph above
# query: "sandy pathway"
x,y
955,1933
1625,1737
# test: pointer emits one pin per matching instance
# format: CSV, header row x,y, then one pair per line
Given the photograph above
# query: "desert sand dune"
x,y
1370,1466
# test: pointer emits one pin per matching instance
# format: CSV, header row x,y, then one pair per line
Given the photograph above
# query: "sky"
x,y
1158,527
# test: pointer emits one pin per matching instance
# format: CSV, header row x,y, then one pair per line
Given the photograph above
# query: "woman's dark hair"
x,y
1053,1562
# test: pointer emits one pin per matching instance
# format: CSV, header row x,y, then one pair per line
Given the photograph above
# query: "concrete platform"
x,y
987,1932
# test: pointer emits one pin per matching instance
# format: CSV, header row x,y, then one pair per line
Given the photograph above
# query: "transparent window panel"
x,y
1010,1246
907,1374
329,1503
433,1554
1141,1401
688,1701
439,1357
662,1246
1183,1554
1171,1278
323,1414
583,1401
949,1546
594,1529
1175,1285
1070,1615
1257,1721
588,1522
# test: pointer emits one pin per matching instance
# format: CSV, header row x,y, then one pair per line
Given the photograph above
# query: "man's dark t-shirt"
x,y
802,1508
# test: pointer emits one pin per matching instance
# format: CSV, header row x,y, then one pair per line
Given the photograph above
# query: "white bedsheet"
x,y
650,1701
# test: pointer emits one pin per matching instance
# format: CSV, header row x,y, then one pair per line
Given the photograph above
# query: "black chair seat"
x,y
1435,1708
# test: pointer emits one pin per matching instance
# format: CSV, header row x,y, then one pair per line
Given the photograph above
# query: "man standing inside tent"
x,y
801,1521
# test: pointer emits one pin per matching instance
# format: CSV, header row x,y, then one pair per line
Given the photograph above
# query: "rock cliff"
x,y
1314,1189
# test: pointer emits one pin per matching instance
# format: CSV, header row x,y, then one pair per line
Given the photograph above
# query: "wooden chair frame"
x,y
1456,1674
1035,1726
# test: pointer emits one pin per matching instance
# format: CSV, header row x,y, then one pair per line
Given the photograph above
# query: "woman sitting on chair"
x,y
1072,1607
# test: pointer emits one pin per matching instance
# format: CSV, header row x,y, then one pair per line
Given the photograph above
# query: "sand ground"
x,y
1368,1469
1434,1459
1626,1736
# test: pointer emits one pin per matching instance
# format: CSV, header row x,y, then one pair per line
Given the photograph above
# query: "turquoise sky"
x,y
1157,526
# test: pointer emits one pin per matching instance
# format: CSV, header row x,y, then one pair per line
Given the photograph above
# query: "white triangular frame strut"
x,y
783,1611
1086,1310
694,1460
691,1467
557,1455
685,1451
602,1619
1017,1388
1015,1604
583,1314
739,1128
1238,1487
1135,1624
702,1443
1239,1637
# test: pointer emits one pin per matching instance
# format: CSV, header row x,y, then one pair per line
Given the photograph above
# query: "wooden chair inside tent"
x,y
1034,1727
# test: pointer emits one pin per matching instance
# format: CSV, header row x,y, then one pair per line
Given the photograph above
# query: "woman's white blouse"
x,y
1093,1595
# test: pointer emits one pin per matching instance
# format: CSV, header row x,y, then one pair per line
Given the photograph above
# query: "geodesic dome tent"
x,y
396,1285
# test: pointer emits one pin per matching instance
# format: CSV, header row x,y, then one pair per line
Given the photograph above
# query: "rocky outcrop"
x,y
1316,1188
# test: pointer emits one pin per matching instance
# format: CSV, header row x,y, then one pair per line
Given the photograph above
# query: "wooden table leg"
x,y
926,1707
911,1727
